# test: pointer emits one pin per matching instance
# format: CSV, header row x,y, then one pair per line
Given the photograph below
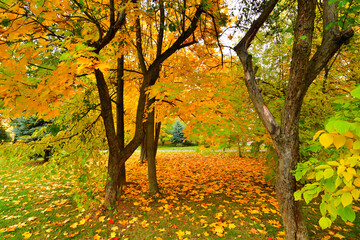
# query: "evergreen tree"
x,y
177,132
25,127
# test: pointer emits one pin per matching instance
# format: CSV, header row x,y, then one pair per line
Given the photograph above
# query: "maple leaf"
x,y
338,235
219,231
27,235
82,221
111,220
232,226
102,219
74,225
97,237
180,234
253,231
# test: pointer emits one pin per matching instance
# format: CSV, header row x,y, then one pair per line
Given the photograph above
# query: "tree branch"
x,y
176,45
249,74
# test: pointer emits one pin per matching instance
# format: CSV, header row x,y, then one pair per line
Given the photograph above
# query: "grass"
x,y
202,197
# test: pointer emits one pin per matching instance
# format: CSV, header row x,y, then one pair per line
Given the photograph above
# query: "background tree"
x,y
177,133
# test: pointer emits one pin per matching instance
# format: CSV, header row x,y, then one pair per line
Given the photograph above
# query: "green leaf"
x,y
297,195
329,184
338,181
330,126
5,22
356,92
332,210
349,213
308,196
324,222
346,199
319,175
303,37
332,1
323,208
341,126
172,27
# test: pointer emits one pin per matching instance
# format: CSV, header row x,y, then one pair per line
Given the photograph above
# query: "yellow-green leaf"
x,y
328,173
346,199
355,193
318,134
324,222
348,176
326,139
357,182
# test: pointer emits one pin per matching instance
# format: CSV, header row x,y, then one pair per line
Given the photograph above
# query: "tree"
x,y
305,67
177,133
85,38
24,128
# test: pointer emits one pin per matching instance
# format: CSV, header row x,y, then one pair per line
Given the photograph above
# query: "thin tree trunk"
x,y
143,152
157,135
120,131
151,149
239,149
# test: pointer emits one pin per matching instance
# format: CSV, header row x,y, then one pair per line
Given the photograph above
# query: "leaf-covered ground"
x,y
202,197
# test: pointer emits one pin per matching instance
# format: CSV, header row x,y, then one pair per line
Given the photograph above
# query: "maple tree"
x,y
78,62
82,40
304,69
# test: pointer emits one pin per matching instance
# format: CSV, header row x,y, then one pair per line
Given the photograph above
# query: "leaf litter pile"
x,y
201,197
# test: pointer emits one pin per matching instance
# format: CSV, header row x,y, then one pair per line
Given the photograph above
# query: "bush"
x,y
4,136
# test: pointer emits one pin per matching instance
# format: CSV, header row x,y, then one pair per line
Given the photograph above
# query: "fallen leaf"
x,y
74,225
73,234
32,219
232,226
27,235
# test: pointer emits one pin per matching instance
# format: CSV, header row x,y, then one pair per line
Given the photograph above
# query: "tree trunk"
x,y
239,149
157,135
120,127
143,152
288,156
151,148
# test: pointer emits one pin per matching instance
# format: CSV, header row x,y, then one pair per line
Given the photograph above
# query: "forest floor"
x,y
218,196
